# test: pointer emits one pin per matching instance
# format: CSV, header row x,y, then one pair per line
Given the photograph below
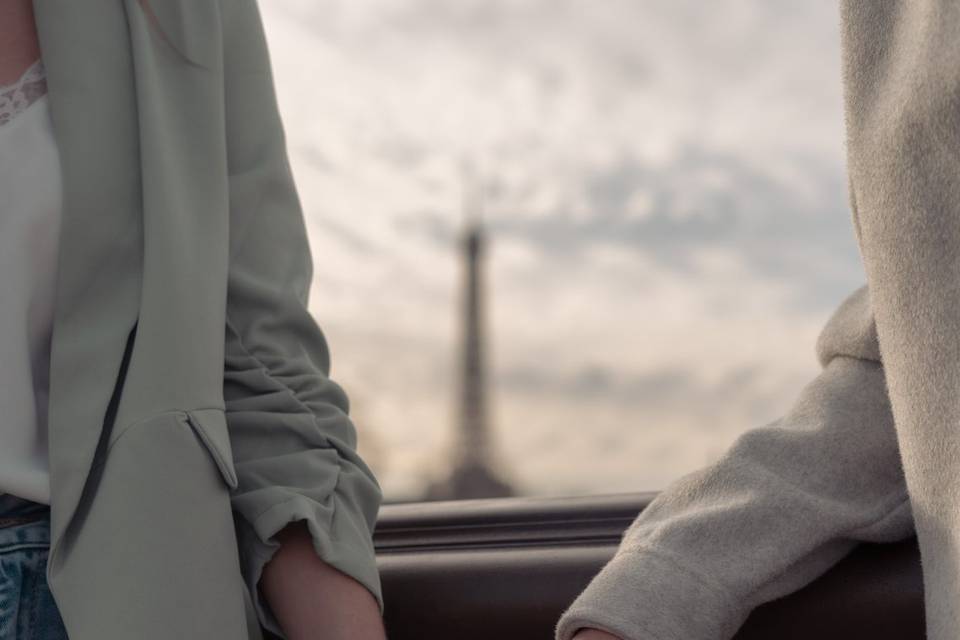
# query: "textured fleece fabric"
x,y
870,449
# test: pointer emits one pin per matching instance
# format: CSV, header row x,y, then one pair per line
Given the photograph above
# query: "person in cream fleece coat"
x,y
870,449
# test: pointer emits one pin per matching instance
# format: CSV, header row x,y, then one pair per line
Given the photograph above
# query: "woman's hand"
x,y
594,634
313,601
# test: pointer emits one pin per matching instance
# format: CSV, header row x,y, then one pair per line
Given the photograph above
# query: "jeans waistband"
x,y
17,537
16,510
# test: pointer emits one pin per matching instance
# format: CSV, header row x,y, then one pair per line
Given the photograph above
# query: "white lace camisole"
x,y
30,206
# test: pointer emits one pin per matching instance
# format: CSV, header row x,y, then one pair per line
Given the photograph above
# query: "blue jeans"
x,y
27,609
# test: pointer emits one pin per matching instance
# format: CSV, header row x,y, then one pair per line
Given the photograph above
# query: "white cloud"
x,y
665,194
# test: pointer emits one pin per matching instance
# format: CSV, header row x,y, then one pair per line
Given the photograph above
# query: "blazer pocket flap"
x,y
211,427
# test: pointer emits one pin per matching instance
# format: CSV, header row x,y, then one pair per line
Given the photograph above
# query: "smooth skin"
x,y
311,599
19,47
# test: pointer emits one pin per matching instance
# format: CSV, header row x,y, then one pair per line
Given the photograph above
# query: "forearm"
x,y
313,601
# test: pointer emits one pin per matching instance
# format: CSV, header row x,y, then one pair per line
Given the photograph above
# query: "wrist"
x,y
306,594
587,633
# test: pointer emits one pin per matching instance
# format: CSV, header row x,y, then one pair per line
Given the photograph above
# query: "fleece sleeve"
x,y
902,99
792,497
783,504
294,446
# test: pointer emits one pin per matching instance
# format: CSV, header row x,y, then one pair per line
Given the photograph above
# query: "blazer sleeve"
x,y
781,506
294,446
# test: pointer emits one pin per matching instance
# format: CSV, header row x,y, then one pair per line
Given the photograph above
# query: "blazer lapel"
x,y
136,102
90,83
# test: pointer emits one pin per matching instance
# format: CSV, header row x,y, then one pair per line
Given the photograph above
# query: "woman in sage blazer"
x,y
192,424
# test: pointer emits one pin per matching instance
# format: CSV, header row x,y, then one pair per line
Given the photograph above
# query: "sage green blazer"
x,y
191,414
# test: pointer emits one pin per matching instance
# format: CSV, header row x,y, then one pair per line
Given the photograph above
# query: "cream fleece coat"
x,y
870,450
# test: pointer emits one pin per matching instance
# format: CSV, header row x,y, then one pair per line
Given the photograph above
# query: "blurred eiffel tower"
x,y
474,471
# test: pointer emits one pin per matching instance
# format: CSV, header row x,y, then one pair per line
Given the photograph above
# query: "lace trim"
x,y
16,97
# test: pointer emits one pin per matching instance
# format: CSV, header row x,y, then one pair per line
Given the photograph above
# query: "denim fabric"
x,y
12,506
27,608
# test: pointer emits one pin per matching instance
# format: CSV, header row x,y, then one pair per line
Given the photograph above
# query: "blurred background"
x,y
650,194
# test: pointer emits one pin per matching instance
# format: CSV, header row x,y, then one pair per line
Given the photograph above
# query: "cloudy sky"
x,y
663,184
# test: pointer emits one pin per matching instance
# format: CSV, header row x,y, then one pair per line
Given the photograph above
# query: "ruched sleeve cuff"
x,y
644,594
342,540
